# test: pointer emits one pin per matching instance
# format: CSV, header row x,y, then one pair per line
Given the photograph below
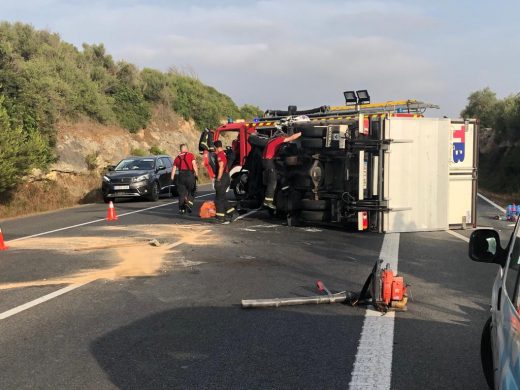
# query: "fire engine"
x,y
383,167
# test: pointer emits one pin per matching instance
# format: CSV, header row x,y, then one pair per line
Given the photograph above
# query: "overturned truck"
x,y
379,167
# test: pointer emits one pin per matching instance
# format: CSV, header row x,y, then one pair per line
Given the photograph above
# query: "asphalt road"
x,y
142,317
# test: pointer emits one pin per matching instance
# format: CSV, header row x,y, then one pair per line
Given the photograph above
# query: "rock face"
x,y
84,150
105,145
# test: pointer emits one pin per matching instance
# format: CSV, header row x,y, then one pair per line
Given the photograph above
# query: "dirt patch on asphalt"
x,y
134,255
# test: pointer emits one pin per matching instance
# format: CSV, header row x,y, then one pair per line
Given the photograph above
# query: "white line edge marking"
x,y
491,203
373,363
100,220
57,293
458,235
45,298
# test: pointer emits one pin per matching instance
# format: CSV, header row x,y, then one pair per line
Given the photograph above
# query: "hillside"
x,y
60,104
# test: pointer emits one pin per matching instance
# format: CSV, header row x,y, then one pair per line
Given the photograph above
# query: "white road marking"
x,y
69,288
492,203
458,235
373,364
45,298
100,220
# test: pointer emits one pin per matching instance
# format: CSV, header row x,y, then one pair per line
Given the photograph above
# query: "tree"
x,y
20,151
482,105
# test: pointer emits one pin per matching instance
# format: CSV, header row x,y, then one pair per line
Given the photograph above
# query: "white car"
x,y
500,345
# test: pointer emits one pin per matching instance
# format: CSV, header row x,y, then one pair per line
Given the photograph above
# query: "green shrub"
x,y
91,161
20,151
132,112
138,152
155,150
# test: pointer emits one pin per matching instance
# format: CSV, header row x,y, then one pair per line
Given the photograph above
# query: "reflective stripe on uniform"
x,y
230,210
220,215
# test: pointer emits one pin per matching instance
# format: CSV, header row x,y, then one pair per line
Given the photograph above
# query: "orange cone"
x,y
111,213
3,247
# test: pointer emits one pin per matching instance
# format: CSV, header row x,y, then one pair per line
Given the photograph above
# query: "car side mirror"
x,y
160,168
111,168
484,247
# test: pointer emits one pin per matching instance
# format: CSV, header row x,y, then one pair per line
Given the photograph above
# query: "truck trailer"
x,y
381,167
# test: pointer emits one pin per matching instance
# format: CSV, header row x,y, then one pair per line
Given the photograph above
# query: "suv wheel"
x,y
154,195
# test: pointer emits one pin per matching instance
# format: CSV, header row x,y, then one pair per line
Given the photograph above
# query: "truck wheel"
x,y
312,143
302,181
312,216
313,205
486,354
313,132
239,185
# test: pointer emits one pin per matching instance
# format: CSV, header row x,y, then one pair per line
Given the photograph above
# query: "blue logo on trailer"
x,y
459,144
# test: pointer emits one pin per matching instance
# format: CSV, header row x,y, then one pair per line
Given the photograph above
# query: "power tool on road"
x,y
383,289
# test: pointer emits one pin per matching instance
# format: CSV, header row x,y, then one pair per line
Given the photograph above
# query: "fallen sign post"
x,y
382,289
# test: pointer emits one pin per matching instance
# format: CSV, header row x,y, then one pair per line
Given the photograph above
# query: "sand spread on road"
x,y
129,256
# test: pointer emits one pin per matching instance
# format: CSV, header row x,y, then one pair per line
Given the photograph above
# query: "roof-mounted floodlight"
x,y
350,97
363,96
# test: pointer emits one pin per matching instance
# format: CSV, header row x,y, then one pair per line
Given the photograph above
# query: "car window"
x,y
161,163
141,164
512,274
167,161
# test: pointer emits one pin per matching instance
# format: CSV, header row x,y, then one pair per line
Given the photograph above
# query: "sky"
x,y
303,52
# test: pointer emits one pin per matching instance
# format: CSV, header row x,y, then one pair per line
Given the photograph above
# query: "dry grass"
x,y
46,195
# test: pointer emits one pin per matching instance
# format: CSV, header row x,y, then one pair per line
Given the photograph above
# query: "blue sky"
x,y
304,52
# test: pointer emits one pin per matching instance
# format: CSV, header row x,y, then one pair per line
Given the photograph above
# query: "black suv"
x,y
136,177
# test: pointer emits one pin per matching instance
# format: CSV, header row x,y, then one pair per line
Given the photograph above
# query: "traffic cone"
x,y
3,247
111,213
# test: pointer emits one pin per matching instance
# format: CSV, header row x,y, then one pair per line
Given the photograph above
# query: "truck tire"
x,y
313,131
302,181
312,143
239,185
258,140
312,216
313,205
292,161
486,354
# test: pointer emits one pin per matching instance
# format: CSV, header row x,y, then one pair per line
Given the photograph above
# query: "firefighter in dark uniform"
x,y
269,167
186,165
225,212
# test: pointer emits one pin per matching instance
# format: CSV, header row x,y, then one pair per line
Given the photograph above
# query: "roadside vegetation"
x,y
499,158
44,80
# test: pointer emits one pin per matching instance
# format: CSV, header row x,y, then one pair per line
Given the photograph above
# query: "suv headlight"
x,y
141,178
106,179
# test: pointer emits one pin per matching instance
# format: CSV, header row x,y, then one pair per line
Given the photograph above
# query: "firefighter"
x,y
269,167
187,176
225,212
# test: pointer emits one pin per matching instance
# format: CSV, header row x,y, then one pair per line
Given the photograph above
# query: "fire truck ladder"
x,y
391,107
